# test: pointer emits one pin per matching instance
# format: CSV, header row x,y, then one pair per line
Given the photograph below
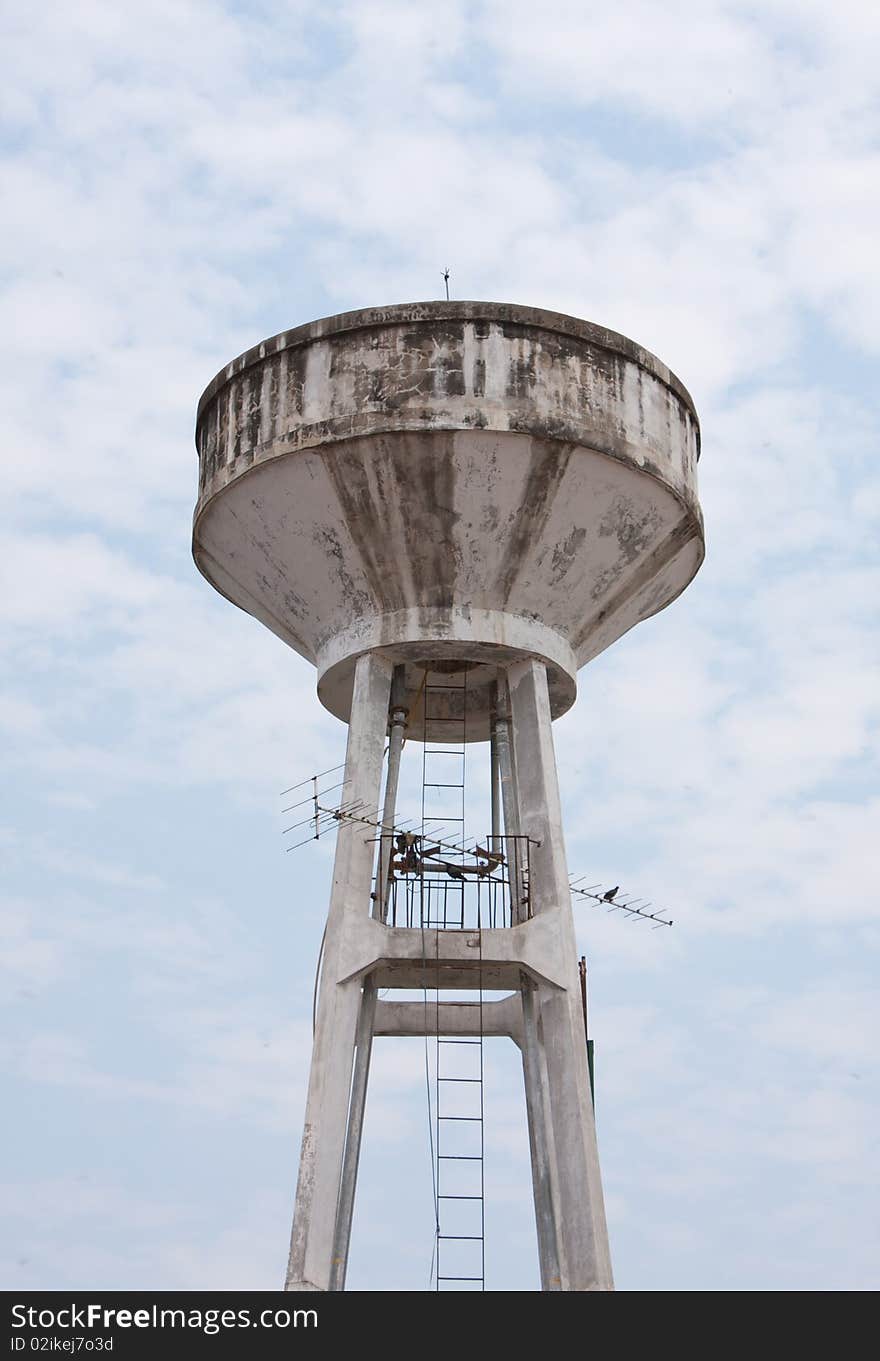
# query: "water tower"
x,y
449,508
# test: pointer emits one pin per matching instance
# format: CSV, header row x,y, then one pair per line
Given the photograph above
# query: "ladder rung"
x,y
457,750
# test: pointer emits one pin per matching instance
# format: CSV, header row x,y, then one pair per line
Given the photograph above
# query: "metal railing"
x,y
431,883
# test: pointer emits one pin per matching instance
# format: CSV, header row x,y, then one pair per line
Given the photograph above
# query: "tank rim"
x,y
513,313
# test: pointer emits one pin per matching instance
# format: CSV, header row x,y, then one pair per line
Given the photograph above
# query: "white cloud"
x,y
701,176
691,63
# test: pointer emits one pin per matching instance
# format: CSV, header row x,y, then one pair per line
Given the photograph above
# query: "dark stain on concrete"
x,y
650,571
272,398
413,497
431,520
521,374
449,375
295,381
547,467
564,554
634,527
224,402
327,541
236,419
254,381
348,474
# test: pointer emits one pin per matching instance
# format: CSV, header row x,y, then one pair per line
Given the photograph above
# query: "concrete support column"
x,y
310,1266
545,1177
585,1259
356,1112
367,1018
545,1180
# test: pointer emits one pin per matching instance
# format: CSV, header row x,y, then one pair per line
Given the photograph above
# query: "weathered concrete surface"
x,y
448,482
503,1016
450,488
403,957
584,1254
310,1266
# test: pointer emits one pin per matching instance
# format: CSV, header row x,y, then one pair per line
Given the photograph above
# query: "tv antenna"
x,y
326,816
613,901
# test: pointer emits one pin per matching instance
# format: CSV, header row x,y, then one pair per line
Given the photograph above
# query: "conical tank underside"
x,y
457,484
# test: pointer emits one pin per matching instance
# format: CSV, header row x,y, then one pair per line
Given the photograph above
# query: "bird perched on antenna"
x,y
446,281
611,894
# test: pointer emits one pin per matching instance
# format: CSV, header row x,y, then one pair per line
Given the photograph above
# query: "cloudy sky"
x,y
183,180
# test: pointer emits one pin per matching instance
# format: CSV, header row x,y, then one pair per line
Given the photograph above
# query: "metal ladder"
x,y
459,1143
461,1214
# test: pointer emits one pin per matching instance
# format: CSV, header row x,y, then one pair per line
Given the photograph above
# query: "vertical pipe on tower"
x,y
495,781
392,781
507,780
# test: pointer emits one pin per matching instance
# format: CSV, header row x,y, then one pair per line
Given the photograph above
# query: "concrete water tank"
x,y
453,484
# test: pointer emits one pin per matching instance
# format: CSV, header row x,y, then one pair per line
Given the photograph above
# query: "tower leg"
x,y
543,1154
367,1018
356,1113
585,1257
310,1266
545,1179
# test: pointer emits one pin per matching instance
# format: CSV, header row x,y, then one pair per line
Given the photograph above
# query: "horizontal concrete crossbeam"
x,y
503,1016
